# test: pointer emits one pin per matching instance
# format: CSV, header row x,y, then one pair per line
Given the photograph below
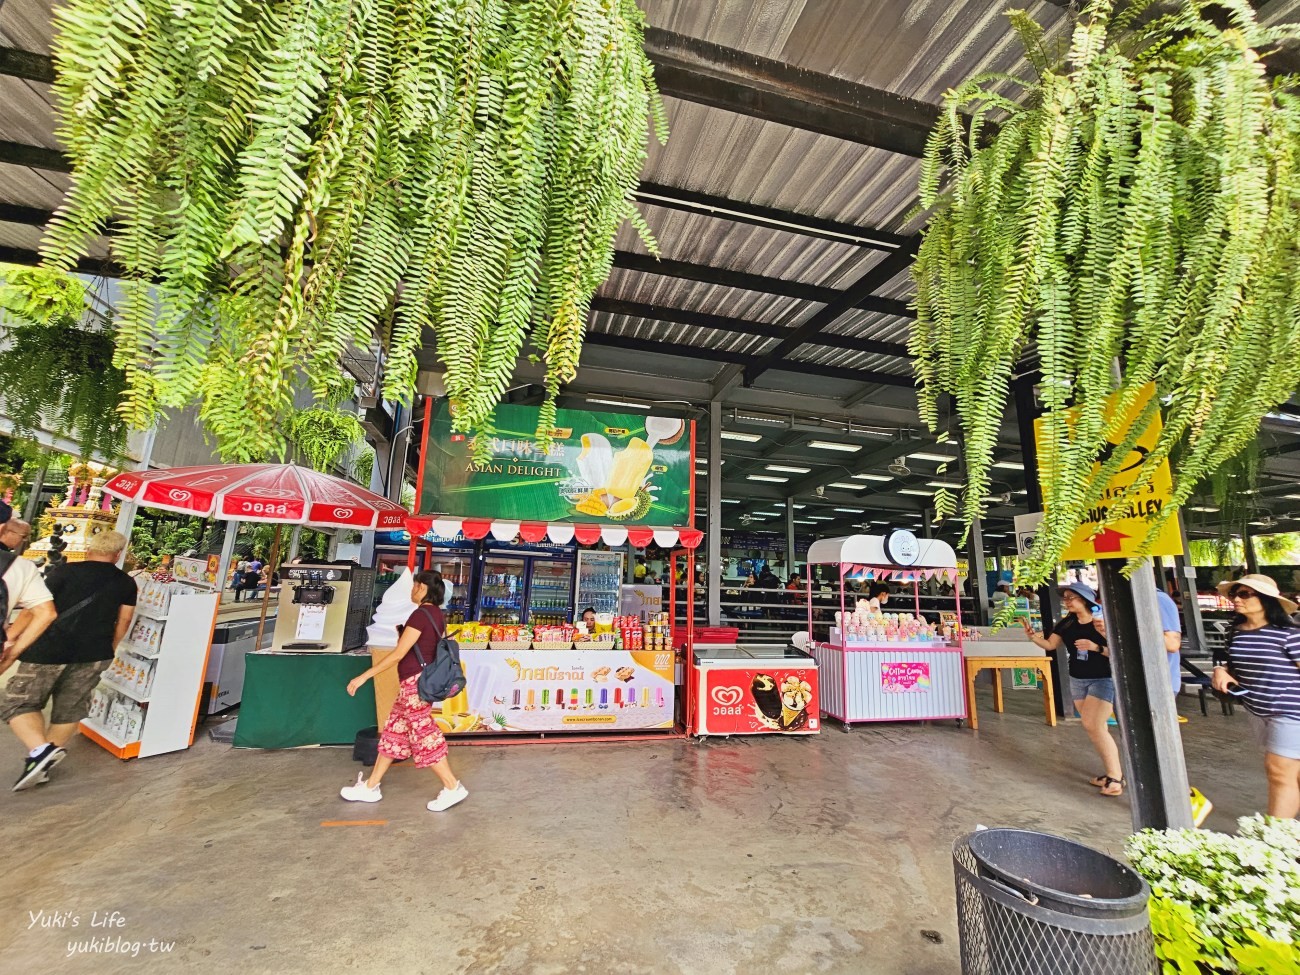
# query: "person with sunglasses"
x,y
1092,688
1263,669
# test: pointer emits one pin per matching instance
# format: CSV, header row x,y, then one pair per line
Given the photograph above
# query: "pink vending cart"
x,y
891,665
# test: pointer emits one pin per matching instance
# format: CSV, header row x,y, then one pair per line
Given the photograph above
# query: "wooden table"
x,y
998,664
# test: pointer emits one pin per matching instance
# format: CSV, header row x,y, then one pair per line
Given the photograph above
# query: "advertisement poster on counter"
x,y
625,469
905,678
194,572
760,700
561,690
642,601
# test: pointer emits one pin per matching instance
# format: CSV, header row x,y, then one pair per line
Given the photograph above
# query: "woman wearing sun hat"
x,y
1263,666
1092,688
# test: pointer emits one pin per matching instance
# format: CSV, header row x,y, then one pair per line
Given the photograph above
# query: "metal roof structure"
x,y
784,206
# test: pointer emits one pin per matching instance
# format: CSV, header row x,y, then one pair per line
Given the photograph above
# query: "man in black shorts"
x,y
95,601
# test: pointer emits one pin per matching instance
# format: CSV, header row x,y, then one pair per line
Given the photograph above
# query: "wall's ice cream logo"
x,y
620,487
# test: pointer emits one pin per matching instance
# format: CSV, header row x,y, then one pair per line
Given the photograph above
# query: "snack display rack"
x,y
148,700
895,666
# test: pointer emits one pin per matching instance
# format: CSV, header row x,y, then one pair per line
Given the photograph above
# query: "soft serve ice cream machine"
x,y
323,608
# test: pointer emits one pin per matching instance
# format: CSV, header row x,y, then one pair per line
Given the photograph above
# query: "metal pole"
x,y
1148,721
295,539
1248,543
713,543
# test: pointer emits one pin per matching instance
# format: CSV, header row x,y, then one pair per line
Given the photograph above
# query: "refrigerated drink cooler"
x,y
550,591
600,582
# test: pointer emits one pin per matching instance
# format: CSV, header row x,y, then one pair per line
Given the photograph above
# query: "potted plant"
x,y
288,178
1224,904
1134,201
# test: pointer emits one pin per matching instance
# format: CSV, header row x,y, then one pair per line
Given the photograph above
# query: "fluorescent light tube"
x,y
848,448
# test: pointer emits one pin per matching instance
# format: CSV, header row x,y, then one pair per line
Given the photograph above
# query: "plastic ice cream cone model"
x,y
795,696
393,611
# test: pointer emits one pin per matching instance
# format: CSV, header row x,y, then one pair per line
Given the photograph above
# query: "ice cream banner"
x,y
905,678
561,690
601,468
759,700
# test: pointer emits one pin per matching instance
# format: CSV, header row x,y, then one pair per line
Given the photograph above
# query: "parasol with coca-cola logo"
x,y
282,494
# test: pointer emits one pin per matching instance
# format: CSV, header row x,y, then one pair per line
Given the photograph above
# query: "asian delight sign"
x,y
601,468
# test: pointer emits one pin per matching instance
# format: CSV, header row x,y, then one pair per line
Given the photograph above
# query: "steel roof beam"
x,y
27,65
741,326
36,157
760,283
740,358
688,201
87,265
747,84
848,299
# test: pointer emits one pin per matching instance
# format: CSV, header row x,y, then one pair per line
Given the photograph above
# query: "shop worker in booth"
x,y
95,601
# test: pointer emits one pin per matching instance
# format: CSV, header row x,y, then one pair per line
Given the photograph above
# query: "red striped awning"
x,y
561,533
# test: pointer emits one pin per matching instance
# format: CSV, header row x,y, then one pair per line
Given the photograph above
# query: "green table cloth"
x,y
293,699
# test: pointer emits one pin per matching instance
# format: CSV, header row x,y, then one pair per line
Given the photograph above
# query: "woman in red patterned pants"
x,y
410,730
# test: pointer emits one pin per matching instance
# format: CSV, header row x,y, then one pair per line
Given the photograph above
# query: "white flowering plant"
x,y
1224,904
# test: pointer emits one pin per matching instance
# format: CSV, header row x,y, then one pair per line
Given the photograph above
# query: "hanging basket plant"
x,y
290,177
320,437
1135,202
56,371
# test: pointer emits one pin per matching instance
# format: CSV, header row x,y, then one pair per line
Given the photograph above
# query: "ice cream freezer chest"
x,y
891,682
756,691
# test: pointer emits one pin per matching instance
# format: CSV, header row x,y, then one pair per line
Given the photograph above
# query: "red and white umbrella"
x,y
283,494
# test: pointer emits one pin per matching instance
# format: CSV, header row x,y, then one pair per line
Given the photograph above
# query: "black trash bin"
x,y
1035,904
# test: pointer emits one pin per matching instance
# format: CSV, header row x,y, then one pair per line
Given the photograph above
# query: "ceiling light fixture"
x,y
742,437
850,511
764,477
787,468
916,493
945,484
933,458
872,477
1009,465
619,402
848,448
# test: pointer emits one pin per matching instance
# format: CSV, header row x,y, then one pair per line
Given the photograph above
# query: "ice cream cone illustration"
x,y
795,697
766,696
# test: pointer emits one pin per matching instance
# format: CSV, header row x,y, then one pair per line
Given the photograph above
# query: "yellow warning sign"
x,y
1122,536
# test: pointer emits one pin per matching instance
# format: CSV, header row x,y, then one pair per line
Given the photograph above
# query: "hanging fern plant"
x,y
57,373
1138,201
320,436
292,176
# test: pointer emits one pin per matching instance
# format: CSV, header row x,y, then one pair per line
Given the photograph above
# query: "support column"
x,y
227,553
789,538
1155,773
713,540
979,580
1248,543
1049,600
31,510
1185,573
295,539
127,509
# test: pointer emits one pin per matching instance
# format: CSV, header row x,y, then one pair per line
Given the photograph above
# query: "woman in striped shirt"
x,y
1263,667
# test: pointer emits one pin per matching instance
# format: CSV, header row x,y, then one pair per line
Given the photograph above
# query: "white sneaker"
x,y
361,792
448,798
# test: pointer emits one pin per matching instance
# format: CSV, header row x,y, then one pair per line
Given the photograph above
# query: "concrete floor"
x,y
827,854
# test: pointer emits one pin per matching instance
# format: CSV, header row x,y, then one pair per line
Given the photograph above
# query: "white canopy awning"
x,y
869,550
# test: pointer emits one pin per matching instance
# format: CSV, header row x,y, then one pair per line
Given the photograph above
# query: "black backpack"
x,y
444,677
6,559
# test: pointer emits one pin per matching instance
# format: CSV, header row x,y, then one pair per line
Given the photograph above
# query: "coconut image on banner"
x,y
601,468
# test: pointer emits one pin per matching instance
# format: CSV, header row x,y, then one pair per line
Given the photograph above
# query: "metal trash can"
x,y
1034,904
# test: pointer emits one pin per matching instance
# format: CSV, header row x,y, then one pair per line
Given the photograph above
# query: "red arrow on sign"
x,y
1108,541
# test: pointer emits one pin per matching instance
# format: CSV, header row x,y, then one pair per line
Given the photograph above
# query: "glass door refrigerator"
x,y
501,588
600,580
550,591
457,567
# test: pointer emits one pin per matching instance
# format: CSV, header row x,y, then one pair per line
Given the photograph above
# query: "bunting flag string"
x,y
559,533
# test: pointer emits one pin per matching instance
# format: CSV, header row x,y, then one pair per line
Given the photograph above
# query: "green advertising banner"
x,y
601,468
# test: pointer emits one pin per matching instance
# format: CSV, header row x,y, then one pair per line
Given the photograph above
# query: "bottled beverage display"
x,y
600,580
